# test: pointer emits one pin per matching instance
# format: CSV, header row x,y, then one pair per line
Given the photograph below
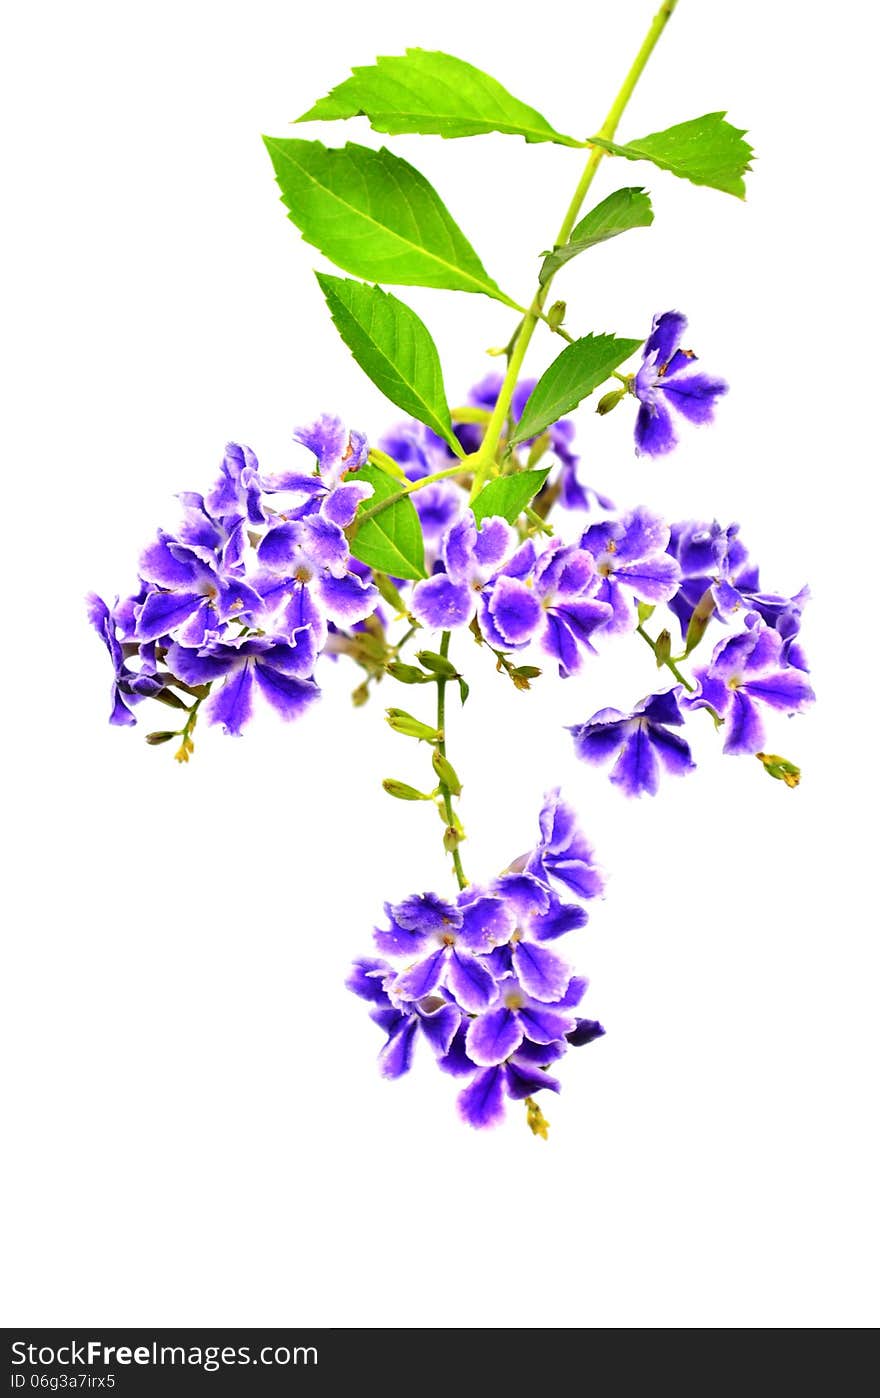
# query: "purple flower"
x,y
641,741
129,686
472,557
667,379
481,1103
714,561
549,597
563,852
435,1018
746,671
475,975
280,670
631,561
190,600
515,1015
311,556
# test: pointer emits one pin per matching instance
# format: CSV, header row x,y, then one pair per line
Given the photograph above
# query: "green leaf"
x,y
433,94
624,209
376,217
707,150
508,495
581,367
394,348
391,542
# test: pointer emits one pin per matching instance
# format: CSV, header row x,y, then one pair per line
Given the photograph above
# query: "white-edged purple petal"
x,y
787,690
494,1036
654,433
340,505
470,981
544,1025
162,612
288,696
395,1056
542,974
426,914
441,603
422,979
744,729
693,395
494,542
348,599
672,750
232,704
515,611
637,771
439,1027
585,1032
481,1104
665,337
486,922
366,979
522,1080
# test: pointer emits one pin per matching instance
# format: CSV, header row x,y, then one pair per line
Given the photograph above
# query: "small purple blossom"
x,y
548,597
748,671
668,379
240,598
475,976
631,561
642,742
471,557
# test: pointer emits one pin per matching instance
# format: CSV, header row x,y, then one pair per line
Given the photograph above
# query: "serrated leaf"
x,y
375,216
707,150
624,209
391,542
508,495
432,94
394,348
581,367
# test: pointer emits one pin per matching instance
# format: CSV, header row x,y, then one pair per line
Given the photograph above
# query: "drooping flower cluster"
x,y
241,595
478,979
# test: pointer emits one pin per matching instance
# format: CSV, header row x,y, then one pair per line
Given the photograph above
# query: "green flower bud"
x,y
438,664
154,739
446,772
389,592
663,648
406,674
780,768
556,314
410,727
646,611
609,400
702,615
403,792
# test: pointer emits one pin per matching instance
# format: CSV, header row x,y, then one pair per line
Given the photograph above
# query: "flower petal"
x,y
481,1103
472,984
494,1036
542,974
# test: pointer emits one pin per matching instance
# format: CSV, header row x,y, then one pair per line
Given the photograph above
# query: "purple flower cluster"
x,y
240,596
477,978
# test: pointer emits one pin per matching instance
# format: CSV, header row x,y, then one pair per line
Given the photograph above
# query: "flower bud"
x,y
446,772
390,593
452,838
646,611
702,615
438,664
780,768
663,648
609,400
410,727
406,674
403,792
556,314
154,739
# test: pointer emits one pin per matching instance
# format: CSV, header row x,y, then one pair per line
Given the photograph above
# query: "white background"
x,y
196,1130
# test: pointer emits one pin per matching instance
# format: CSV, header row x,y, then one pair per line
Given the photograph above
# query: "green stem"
x,y
403,493
489,446
444,789
670,663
